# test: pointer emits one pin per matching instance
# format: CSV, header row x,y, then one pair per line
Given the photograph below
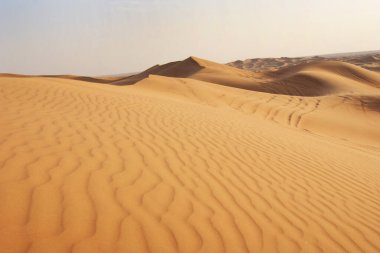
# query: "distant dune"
x,y
282,155
369,60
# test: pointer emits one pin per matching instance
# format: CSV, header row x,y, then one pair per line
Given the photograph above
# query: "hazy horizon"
x,y
101,37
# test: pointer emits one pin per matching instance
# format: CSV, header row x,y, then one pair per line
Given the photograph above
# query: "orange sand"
x,y
193,157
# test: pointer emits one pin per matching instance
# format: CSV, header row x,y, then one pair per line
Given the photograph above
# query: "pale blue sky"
x,y
96,37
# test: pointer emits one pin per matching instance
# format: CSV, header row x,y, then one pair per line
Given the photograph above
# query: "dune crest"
x,y
192,156
368,60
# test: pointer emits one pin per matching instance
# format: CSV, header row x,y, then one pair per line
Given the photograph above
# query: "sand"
x,y
368,60
193,156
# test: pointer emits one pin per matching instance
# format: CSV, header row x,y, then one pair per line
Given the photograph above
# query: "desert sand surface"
x,y
192,156
369,60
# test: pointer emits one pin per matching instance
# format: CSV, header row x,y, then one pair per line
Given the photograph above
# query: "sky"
x,y
99,37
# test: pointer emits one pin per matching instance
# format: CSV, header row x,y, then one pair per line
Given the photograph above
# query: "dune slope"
x,y
368,60
179,163
310,79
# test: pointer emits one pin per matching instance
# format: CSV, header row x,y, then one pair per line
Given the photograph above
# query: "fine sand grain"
x,y
192,156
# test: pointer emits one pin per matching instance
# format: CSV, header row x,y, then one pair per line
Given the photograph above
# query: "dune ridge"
x,y
368,60
192,156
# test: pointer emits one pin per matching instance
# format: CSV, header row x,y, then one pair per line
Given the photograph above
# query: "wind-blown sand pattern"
x,y
194,156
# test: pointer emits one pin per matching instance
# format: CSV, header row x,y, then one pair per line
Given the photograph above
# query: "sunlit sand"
x,y
192,156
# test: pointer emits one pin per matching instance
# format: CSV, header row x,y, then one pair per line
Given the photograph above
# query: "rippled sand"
x,y
192,156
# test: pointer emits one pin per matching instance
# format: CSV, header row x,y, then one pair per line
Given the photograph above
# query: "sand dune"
x,y
192,156
322,78
191,67
103,79
368,60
